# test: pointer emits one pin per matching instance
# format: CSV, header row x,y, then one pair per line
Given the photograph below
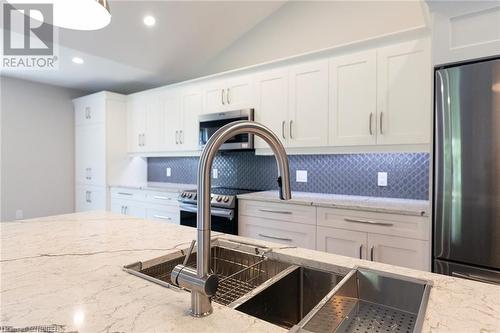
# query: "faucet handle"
x,y
188,254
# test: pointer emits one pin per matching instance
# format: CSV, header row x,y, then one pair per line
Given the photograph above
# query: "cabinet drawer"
x,y
162,213
293,234
278,211
415,227
161,198
127,193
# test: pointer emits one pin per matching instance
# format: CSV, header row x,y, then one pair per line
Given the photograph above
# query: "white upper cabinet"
x,y
191,108
229,94
90,110
272,103
353,99
144,122
308,104
171,120
404,93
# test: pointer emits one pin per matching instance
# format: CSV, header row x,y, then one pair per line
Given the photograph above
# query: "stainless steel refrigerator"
x,y
467,171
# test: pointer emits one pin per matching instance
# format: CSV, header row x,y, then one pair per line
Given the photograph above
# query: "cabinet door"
x,y
128,207
293,234
136,123
171,108
404,93
343,242
353,99
308,109
90,110
399,251
214,96
152,135
191,109
272,103
89,198
166,214
90,155
240,93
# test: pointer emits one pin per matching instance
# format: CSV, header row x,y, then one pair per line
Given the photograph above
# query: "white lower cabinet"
x,y
394,239
412,253
293,234
88,198
344,242
152,205
128,207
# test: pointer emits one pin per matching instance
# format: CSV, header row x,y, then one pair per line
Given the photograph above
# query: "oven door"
x,y
210,123
223,220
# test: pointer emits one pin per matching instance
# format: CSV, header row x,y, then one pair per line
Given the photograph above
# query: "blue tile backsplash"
x,y
353,174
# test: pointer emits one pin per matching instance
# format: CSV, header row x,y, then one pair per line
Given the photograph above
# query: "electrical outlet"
x,y
301,176
19,214
382,179
168,172
215,173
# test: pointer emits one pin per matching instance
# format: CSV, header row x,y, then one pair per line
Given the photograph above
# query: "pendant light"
x,y
75,14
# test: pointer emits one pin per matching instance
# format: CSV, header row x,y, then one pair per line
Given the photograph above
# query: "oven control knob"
x,y
183,195
218,198
190,195
226,199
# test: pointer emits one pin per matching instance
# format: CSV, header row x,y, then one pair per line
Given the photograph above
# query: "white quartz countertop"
x,y
67,270
382,205
158,186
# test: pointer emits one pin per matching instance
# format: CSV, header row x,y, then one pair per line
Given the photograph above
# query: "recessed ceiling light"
x,y
149,20
78,60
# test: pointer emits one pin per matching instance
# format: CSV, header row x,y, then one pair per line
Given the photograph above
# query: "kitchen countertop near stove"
x,y
381,205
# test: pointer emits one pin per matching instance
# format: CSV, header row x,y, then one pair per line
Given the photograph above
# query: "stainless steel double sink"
x,y
303,299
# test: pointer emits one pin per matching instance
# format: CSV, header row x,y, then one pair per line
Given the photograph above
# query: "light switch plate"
x,y
301,176
382,179
215,173
168,172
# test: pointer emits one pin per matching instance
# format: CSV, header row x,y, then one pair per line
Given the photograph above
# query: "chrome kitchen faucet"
x,y
202,283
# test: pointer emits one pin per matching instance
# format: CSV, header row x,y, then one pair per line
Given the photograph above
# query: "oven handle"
x,y
220,212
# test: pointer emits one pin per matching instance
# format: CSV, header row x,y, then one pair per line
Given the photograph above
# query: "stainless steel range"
x,y
224,208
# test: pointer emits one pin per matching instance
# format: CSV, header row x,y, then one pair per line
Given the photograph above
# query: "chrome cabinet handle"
x,y
381,123
181,137
161,197
125,210
87,196
283,129
291,124
385,224
361,251
277,238
222,96
90,173
122,210
125,193
228,96
176,137
370,123
143,139
88,115
371,252
162,217
475,277
139,140
276,211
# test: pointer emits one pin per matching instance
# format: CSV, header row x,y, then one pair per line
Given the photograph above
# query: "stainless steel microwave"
x,y
210,123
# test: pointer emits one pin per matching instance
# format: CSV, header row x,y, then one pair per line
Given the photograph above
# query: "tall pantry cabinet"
x,y
101,157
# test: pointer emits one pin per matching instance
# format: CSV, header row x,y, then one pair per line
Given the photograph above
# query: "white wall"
x,y
37,149
305,26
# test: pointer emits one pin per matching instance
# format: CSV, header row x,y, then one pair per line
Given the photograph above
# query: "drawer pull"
x,y
286,212
277,238
159,197
371,252
162,217
361,251
385,224
125,193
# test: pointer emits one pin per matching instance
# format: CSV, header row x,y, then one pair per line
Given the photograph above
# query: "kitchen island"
x,y
66,271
